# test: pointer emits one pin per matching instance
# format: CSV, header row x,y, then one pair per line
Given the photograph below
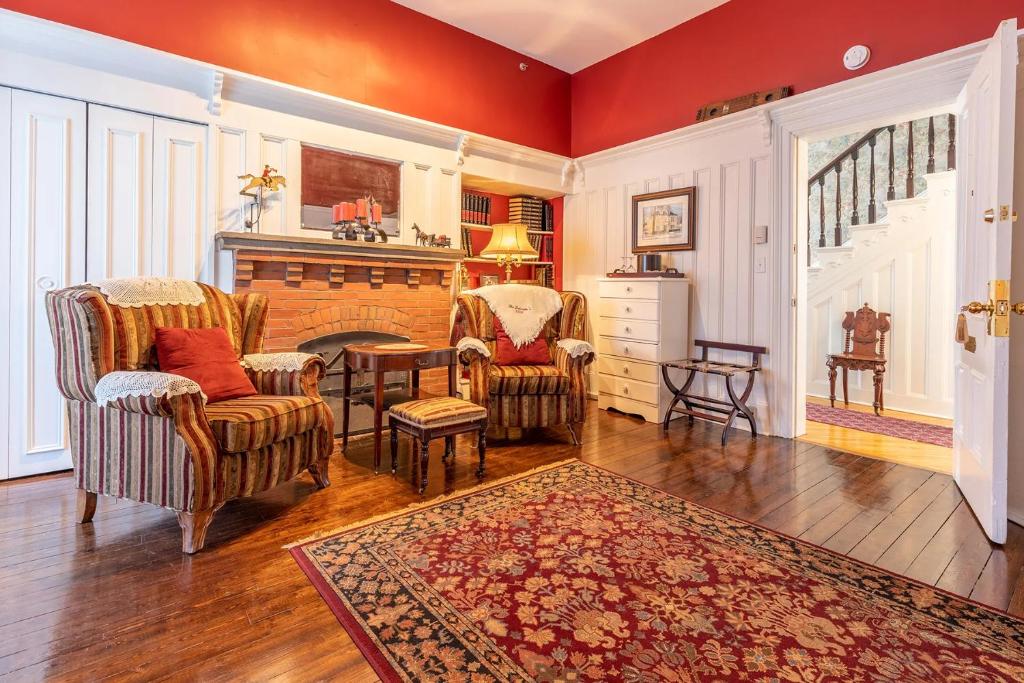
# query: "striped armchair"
x,y
148,436
525,396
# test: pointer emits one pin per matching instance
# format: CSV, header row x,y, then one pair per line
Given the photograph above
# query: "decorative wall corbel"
x,y
573,175
216,93
460,148
766,128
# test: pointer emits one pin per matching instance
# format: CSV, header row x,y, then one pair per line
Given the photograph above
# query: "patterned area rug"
x,y
889,426
576,573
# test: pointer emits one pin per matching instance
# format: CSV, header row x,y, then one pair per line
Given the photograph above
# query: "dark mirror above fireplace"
x,y
330,176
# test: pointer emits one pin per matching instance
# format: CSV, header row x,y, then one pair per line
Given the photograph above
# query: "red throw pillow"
x,y
206,357
505,352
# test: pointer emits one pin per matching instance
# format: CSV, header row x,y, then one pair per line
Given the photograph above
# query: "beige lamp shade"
x,y
509,245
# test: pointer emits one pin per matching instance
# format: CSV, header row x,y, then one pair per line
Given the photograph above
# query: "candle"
x,y
348,211
336,213
378,212
361,208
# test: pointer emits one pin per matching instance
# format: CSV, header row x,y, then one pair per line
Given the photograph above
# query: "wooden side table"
x,y
382,358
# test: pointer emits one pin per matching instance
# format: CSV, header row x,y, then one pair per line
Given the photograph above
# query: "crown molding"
x,y
217,85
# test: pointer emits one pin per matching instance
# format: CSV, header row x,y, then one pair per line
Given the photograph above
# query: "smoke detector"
x,y
856,57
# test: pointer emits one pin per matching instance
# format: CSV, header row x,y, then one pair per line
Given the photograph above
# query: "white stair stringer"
x,y
904,264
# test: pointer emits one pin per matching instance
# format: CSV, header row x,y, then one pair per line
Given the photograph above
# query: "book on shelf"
x,y
476,209
467,241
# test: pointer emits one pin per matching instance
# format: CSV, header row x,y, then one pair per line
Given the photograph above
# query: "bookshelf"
x,y
490,204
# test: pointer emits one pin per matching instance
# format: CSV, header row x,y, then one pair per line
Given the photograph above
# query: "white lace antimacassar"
x,y
522,309
265,362
136,292
575,347
122,384
467,343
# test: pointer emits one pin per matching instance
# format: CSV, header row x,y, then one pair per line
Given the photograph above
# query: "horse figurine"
x,y
422,238
267,181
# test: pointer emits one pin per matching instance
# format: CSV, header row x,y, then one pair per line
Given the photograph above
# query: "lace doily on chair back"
x,y
122,384
136,292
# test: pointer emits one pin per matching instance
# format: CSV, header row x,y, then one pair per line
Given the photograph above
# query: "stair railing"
x,y
853,153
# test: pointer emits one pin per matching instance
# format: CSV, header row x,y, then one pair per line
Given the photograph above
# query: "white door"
x,y
48,160
120,193
178,245
983,255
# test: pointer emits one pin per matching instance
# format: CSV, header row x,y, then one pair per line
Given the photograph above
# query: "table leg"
x,y
346,389
394,449
846,392
378,414
878,390
832,384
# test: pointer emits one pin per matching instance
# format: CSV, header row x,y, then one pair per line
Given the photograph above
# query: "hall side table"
x,y
391,357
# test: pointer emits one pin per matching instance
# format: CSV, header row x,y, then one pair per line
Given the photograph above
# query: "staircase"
x,y
900,260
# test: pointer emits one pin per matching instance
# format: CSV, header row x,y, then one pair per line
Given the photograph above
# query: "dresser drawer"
x,y
628,388
631,369
643,330
627,290
627,349
649,412
627,308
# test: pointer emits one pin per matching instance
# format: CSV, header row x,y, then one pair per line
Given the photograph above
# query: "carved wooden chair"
x,y
863,350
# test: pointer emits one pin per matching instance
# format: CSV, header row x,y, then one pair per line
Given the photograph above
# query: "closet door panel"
x,y
179,162
5,258
48,171
120,193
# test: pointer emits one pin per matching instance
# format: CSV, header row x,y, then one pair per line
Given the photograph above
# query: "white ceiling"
x,y
568,34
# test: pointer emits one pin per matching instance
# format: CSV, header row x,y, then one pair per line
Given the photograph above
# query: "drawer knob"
x,y
625,350
628,329
625,390
625,370
628,309
629,289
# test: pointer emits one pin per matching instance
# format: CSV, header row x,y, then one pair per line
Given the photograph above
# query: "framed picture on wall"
x,y
664,221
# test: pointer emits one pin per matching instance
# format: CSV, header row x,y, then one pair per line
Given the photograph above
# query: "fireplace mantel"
x,y
297,258
300,244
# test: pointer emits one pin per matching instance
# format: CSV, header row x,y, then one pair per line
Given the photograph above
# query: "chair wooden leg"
x,y
394,450
832,385
846,384
449,447
481,447
571,426
86,506
318,470
424,456
193,529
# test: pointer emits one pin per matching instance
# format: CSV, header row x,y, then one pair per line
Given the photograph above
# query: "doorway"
x,y
881,255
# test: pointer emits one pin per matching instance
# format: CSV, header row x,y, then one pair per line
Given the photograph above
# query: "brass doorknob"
x,y
990,215
1018,308
976,307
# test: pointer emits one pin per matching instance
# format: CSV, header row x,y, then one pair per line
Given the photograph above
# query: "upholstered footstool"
x,y
430,418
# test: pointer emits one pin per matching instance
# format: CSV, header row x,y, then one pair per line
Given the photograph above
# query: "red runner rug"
x,y
576,573
889,426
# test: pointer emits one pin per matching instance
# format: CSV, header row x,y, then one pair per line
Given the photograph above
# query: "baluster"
x,y
891,192
872,207
931,144
821,211
951,145
910,159
855,216
837,240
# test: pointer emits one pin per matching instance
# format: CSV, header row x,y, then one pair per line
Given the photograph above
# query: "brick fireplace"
x,y
320,286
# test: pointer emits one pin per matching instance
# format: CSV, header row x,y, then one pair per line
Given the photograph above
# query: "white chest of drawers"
x,y
640,322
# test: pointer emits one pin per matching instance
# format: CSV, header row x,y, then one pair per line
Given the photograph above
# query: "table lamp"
x,y
509,246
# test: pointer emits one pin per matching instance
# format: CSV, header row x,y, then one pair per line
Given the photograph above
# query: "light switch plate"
x,y
761,264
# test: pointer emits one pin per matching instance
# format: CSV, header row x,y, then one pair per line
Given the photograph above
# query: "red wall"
x,y
747,45
413,64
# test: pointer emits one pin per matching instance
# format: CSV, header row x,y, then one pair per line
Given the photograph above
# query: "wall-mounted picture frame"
x,y
665,221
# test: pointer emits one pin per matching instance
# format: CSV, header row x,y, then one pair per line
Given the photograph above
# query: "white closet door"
x,y
48,165
5,258
179,162
120,193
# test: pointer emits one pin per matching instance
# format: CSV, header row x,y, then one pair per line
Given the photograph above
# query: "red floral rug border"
x,y
374,652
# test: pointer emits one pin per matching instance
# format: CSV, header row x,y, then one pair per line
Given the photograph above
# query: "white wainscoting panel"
x,y
120,193
274,151
232,162
48,162
729,301
179,240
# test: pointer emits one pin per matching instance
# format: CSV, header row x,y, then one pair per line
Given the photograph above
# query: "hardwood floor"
x,y
901,451
117,599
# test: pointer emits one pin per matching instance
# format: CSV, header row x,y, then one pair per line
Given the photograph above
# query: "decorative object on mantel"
x,y
431,240
358,220
510,245
255,187
664,221
754,99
